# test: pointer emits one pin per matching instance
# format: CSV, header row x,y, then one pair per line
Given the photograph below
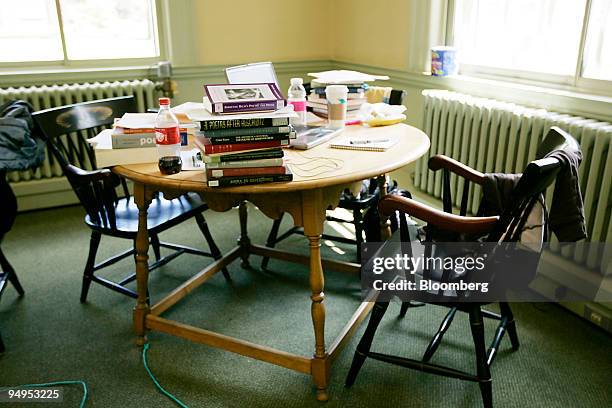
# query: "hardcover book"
x,y
265,130
239,98
258,154
246,171
219,124
207,147
246,163
238,139
244,180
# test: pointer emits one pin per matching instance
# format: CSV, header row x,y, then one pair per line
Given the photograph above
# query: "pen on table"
x,y
368,141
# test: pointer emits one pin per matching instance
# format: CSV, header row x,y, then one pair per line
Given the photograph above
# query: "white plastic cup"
x,y
336,105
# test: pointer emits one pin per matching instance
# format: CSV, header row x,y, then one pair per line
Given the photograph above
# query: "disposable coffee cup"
x,y
336,105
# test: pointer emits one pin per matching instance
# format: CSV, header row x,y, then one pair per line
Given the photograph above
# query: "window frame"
x,y
575,82
68,64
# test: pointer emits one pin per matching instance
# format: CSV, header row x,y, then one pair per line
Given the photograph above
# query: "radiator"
x,y
494,136
48,175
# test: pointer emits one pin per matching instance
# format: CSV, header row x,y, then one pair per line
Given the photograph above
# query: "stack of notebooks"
x,y
318,103
244,149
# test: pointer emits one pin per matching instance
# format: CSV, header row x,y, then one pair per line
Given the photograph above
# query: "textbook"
x,y
218,124
132,140
239,131
245,171
238,139
240,98
207,147
244,180
274,153
106,156
246,163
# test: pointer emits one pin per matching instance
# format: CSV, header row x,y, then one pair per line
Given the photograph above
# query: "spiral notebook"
x,y
375,144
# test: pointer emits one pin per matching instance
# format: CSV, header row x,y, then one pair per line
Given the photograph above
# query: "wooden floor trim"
x,y
245,348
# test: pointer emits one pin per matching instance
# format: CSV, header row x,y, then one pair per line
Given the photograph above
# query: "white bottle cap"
x,y
296,81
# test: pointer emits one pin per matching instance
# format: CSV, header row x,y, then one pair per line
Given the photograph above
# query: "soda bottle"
x,y
297,97
168,139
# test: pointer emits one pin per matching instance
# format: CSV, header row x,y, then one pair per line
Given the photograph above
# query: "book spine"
x,y
242,123
351,89
219,140
255,155
244,180
238,107
237,147
266,130
131,141
246,171
246,163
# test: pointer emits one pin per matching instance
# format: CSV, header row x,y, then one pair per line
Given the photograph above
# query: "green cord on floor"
x,y
157,384
51,384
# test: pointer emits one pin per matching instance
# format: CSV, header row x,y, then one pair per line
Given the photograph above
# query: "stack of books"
x,y
318,103
247,148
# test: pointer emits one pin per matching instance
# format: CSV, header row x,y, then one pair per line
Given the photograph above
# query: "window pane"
x,y
598,51
109,29
526,35
29,31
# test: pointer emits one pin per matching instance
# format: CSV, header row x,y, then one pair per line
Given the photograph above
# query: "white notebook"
x,y
375,144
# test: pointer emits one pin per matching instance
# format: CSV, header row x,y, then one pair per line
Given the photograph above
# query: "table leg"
x,y
244,240
142,199
314,217
385,224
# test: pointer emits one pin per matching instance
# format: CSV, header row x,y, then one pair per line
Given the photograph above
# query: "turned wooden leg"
x,y
385,225
142,198
244,240
482,368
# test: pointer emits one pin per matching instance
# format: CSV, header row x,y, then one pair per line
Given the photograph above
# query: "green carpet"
x,y
563,361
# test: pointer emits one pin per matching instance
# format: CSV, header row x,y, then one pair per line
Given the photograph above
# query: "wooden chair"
x,y
66,129
8,212
358,205
538,175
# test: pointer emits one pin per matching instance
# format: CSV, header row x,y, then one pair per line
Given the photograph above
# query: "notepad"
x,y
378,144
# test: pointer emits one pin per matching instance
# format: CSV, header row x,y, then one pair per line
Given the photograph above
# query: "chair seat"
x,y
162,214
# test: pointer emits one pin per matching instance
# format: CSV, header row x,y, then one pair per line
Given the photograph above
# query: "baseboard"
x,y
44,193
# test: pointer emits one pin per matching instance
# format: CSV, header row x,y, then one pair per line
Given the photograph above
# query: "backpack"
x,y
19,149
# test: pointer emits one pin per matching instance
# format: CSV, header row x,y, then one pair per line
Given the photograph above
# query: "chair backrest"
x,y
66,129
537,177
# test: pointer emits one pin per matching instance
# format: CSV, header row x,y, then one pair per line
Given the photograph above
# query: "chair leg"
x,y
94,243
511,325
358,221
271,241
156,246
482,368
214,249
10,273
363,348
1,344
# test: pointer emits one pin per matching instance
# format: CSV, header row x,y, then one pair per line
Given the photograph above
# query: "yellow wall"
x,y
371,32
242,31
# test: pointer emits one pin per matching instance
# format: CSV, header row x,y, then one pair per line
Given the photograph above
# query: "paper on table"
x,y
197,111
147,120
191,160
345,77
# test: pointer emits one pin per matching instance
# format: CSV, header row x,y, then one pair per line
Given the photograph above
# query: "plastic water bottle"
x,y
168,139
297,97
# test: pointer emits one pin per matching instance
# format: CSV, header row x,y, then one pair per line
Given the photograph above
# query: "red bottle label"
x,y
298,106
167,136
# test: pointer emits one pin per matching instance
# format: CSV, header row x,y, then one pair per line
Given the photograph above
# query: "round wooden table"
x,y
320,175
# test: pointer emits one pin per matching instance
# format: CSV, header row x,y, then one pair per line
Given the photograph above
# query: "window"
x,y
76,30
551,40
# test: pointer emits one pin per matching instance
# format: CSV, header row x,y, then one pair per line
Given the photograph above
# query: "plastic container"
x,y
336,106
444,61
168,139
296,96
